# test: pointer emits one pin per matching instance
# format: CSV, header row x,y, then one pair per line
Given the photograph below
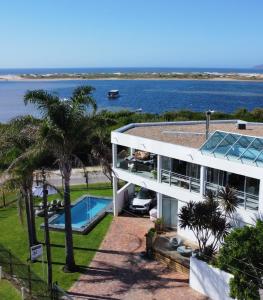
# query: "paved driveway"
x,y
118,272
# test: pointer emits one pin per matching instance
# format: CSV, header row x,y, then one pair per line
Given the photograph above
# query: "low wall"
x,y
128,188
208,280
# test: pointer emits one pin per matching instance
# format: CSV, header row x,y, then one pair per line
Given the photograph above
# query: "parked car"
x,y
143,201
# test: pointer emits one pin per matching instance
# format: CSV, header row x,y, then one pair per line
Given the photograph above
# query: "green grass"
x,y
9,198
14,237
8,292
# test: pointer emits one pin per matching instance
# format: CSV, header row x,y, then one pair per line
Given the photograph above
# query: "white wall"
x,y
188,154
119,201
208,280
191,155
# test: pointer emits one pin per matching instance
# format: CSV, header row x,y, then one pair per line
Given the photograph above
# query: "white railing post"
x,y
260,197
23,293
114,155
159,205
115,196
159,168
202,181
1,273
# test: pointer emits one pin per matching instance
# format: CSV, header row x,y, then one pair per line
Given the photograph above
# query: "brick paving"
x,y
118,272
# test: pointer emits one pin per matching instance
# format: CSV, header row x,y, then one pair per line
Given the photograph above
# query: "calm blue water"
x,y
151,95
83,212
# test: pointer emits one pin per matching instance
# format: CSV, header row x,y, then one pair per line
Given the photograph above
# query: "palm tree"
x,y
101,144
66,127
16,152
228,200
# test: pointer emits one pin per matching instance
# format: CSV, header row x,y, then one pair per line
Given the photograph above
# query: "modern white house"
x,y
184,161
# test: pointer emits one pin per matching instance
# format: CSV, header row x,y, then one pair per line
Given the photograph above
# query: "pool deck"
x,y
118,271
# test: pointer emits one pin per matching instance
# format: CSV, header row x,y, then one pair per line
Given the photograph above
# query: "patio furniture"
x,y
185,251
175,242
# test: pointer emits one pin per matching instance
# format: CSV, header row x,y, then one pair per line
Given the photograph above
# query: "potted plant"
x,y
159,225
150,238
154,174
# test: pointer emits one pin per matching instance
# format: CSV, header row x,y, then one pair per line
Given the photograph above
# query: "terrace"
x,y
138,162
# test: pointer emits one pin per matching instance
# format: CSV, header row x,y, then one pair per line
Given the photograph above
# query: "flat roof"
x,y
189,134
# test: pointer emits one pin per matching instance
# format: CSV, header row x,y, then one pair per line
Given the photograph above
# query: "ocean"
x,y
153,96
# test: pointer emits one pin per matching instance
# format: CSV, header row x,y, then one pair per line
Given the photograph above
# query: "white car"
x,y
143,201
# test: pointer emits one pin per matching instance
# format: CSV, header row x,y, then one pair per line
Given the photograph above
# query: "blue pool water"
x,y
83,212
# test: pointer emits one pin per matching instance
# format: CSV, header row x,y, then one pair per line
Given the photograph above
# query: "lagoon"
x,y
153,96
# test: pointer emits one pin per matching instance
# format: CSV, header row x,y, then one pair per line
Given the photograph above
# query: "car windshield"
x,y
144,194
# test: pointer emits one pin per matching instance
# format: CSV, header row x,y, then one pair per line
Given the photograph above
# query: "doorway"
x,y
170,212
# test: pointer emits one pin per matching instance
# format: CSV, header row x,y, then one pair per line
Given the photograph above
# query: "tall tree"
x,y
67,124
18,154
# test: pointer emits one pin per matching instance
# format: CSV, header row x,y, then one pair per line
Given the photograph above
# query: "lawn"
x,y
8,292
14,237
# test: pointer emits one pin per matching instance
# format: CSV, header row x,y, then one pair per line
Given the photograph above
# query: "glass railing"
x,y
246,200
179,180
142,168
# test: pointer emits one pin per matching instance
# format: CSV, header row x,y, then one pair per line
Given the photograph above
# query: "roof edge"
x,y
133,125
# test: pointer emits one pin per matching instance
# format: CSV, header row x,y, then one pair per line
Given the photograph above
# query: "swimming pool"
x,y
85,212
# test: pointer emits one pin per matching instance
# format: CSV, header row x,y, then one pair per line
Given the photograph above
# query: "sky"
x,y
131,33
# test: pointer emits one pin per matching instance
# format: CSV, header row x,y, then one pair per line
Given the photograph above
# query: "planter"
x,y
209,280
150,239
159,226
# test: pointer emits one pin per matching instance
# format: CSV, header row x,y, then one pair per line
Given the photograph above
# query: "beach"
x,y
136,76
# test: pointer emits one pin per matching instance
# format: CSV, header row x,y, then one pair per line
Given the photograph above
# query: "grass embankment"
x,y
14,237
8,292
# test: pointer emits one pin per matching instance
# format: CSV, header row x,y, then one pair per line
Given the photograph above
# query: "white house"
x,y
182,165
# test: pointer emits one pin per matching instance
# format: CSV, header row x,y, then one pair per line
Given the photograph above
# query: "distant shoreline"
x,y
135,76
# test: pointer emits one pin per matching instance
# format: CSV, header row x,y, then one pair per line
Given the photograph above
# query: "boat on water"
x,y
112,94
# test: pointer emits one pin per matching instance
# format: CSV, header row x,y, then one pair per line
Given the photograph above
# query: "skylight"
x,y
232,146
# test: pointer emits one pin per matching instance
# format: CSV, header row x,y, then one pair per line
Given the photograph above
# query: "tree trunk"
x,y
3,193
47,237
29,228
70,265
32,217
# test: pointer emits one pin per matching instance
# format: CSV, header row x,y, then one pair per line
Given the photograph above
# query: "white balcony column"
x,y
114,194
159,168
260,198
159,205
132,150
202,180
114,155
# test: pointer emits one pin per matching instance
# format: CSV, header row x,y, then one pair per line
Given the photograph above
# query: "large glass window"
x,y
247,188
181,173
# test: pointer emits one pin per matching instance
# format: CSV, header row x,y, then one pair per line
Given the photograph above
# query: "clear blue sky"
x,y
134,33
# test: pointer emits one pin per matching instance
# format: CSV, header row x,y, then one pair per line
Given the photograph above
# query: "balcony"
x,y
246,200
181,181
140,163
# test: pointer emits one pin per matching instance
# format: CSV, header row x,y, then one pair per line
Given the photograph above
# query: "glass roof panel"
x,y
213,140
231,146
224,146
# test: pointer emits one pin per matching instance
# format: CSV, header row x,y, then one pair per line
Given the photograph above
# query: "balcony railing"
x,y
142,168
246,200
179,180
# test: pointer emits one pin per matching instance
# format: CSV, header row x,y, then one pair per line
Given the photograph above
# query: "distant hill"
x,y
259,67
